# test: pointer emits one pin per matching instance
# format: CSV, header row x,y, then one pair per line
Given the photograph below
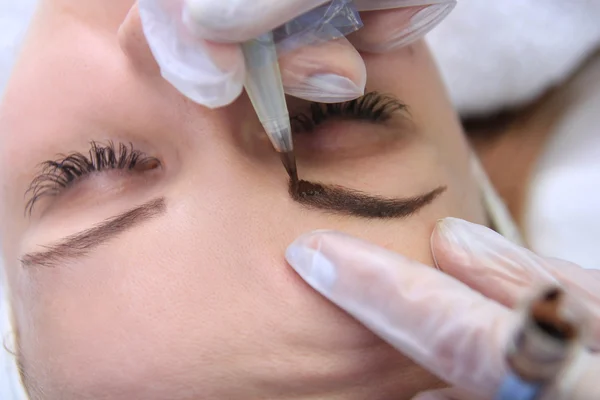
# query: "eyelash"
x,y
372,107
60,174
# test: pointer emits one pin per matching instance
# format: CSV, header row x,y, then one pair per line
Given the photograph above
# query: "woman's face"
x,y
159,273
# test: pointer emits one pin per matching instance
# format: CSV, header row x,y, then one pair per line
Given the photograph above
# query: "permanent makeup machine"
x,y
544,343
333,20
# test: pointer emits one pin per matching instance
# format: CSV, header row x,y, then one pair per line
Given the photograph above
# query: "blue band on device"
x,y
515,388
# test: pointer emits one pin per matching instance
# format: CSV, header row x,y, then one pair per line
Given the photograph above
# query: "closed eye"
x,y
372,107
57,175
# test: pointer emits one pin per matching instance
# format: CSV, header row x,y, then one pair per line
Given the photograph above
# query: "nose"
x,y
227,150
225,147
133,43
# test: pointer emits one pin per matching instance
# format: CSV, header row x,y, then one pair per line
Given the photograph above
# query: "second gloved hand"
x,y
456,325
195,43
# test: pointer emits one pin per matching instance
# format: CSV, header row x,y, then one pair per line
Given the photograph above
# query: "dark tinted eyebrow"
x,y
80,244
352,202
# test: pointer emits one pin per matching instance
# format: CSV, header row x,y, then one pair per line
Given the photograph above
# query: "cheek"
x,y
199,297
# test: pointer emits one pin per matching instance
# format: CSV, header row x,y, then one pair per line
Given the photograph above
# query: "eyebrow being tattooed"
x,y
342,200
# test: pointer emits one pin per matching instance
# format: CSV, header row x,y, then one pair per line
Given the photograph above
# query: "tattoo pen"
x,y
540,348
265,89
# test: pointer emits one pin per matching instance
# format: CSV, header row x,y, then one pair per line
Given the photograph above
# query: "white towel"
x,y
501,53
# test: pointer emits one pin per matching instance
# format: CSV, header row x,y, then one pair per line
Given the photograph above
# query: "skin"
x,y
198,302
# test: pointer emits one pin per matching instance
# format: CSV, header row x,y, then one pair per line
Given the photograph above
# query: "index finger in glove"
x,y
501,270
437,321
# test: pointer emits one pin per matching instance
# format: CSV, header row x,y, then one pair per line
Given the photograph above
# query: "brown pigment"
x,y
305,189
337,199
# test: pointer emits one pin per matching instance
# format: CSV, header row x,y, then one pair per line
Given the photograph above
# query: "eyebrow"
x,y
341,200
80,244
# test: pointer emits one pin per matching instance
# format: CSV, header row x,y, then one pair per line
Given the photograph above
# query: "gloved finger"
x,y
239,21
391,24
208,73
501,270
434,319
328,72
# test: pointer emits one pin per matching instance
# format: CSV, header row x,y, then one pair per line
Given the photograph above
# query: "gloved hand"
x,y
195,44
454,323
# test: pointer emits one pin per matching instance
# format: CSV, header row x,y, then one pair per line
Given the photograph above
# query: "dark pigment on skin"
x,y
305,189
342,200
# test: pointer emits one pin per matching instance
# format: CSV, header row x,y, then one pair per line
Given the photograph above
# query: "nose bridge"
x,y
226,158
231,197
229,143
234,124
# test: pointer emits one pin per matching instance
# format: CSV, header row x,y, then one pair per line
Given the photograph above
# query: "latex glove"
x,y
454,323
194,43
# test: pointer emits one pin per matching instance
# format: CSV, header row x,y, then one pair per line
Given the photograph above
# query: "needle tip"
x,y
288,159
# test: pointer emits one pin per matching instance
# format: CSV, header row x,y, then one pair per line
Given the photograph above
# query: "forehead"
x,y
71,83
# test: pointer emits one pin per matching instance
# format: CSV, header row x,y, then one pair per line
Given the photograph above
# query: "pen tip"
x,y
288,159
